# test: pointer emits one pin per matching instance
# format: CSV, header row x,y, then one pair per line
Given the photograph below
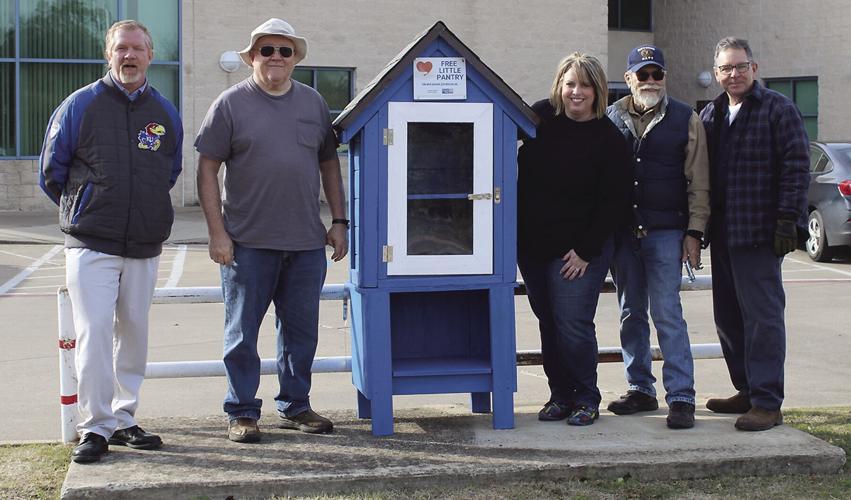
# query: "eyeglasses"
x,y
657,74
268,50
727,69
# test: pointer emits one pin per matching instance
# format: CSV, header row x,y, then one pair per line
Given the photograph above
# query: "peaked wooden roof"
x,y
402,63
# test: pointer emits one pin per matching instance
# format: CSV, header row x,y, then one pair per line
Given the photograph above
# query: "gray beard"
x,y
646,100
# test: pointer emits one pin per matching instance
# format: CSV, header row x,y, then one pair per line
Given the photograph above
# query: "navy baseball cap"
x,y
643,55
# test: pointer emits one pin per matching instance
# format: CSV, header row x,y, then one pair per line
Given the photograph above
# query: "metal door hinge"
x,y
497,195
387,253
388,137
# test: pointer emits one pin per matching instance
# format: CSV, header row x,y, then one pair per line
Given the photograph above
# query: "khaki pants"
x,y
110,299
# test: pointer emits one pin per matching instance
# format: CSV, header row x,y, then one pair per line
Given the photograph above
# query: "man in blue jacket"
x,y
111,154
759,164
670,207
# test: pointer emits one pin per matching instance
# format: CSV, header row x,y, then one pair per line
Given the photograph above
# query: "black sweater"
x,y
574,183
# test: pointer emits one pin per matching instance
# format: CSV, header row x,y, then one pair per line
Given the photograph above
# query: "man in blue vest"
x,y
670,209
759,154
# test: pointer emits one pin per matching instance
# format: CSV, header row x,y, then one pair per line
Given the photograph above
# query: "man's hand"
x,y
691,251
785,237
221,249
338,239
574,266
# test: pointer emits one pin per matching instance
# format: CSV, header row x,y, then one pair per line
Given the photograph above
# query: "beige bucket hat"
x,y
275,26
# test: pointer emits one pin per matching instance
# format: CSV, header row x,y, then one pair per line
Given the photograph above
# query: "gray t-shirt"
x,y
271,146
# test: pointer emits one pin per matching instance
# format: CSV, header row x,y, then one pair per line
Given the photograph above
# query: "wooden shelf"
x,y
425,367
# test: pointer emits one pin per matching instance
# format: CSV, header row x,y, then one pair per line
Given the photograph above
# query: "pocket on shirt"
x,y
310,134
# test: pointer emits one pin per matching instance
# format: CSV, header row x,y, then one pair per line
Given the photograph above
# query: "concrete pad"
x,y
438,446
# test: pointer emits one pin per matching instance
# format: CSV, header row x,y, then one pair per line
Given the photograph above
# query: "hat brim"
x,y
299,43
638,66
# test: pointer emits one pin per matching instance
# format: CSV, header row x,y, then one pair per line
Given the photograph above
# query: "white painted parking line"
x,y
35,287
21,276
177,267
818,266
27,257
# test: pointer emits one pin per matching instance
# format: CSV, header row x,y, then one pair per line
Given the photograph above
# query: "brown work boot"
x,y
243,430
307,421
759,419
740,403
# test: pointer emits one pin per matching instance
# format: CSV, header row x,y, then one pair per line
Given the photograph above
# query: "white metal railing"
x,y
215,368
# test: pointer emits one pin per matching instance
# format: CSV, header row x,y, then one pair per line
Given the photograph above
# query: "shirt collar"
x,y
130,95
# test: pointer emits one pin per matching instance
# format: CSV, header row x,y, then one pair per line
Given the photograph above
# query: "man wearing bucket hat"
x,y
274,136
670,209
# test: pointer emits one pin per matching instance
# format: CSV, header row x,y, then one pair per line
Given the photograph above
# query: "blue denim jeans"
x,y
565,311
647,273
293,281
749,302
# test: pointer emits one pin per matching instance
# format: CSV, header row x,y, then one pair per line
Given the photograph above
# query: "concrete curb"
x,y
439,446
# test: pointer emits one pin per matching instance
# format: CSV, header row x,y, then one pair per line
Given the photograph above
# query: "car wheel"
x,y
816,245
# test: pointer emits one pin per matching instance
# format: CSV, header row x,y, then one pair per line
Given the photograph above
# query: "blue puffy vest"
x,y
659,198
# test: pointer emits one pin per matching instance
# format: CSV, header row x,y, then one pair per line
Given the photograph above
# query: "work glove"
x,y
785,237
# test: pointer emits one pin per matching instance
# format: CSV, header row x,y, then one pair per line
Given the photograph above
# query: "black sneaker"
x,y
554,410
90,449
680,415
583,415
134,437
633,402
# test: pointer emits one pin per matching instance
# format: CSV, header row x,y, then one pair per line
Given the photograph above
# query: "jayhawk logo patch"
x,y
149,137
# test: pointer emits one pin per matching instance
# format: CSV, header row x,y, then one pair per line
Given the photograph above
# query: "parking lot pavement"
x,y
818,301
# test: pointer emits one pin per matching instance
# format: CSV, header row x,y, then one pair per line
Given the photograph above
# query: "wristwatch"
x,y
344,222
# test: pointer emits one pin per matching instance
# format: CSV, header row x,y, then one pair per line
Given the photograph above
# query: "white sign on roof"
x,y
440,78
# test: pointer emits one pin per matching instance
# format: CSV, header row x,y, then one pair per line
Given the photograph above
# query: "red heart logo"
x,y
424,66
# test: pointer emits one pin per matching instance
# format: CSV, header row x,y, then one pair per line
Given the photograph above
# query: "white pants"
x,y
110,299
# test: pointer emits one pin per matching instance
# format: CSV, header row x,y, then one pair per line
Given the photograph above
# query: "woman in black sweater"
x,y
573,192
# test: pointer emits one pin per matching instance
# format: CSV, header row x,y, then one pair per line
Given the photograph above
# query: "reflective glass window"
x,y
440,227
440,158
166,79
161,18
635,15
7,109
44,86
7,29
804,93
65,29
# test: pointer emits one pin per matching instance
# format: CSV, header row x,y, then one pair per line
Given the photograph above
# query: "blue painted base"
x,y
434,342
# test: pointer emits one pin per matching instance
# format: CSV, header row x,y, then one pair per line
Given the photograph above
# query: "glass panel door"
x,y
440,188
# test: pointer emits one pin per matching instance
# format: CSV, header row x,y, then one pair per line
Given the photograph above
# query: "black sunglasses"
x,y
268,50
657,75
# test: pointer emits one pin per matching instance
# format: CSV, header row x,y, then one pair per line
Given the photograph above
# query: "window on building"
x,y
49,48
336,85
804,93
631,15
617,91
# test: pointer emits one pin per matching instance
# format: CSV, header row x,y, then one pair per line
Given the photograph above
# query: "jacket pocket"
x,y
84,195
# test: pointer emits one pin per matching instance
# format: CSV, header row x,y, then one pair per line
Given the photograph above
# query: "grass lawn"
x,y
37,471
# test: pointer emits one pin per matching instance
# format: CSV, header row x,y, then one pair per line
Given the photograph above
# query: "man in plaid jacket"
x,y
759,169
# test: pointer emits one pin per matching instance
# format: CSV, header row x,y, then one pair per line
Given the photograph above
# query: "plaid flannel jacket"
x,y
767,173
